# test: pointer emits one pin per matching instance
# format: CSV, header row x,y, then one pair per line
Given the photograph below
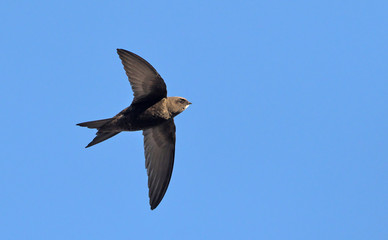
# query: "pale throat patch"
x,y
187,107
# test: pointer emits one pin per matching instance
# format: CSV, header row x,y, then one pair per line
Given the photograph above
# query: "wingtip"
x,y
153,205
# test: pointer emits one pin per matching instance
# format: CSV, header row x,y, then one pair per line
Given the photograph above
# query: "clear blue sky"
x,y
286,137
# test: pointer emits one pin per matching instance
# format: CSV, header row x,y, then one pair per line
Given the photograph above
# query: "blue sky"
x,y
286,137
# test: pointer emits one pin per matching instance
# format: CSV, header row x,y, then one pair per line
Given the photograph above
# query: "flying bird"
x,y
152,112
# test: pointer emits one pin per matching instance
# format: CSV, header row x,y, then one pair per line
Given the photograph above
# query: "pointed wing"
x,y
147,84
159,150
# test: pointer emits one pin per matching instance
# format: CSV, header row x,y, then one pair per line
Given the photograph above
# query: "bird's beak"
x,y
189,103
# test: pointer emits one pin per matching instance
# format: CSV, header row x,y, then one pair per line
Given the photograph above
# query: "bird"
x,y
152,112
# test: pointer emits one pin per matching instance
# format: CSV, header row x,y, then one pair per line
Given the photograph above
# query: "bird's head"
x,y
177,105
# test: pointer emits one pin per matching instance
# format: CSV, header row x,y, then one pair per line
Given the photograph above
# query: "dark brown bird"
x,y
152,112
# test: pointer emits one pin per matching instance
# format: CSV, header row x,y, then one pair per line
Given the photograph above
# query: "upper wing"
x,y
159,150
147,84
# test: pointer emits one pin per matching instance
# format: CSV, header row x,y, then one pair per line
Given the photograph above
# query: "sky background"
x,y
286,137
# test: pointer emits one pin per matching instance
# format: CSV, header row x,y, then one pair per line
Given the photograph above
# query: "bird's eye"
x,y
181,100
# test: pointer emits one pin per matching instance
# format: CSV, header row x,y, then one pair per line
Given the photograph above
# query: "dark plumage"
x,y
151,111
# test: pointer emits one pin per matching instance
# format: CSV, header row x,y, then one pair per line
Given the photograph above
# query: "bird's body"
x,y
152,112
131,119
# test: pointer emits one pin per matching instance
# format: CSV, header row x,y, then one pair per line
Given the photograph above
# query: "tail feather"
x,y
101,136
95,124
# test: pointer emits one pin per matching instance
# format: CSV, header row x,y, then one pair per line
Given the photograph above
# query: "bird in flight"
x,y
152,112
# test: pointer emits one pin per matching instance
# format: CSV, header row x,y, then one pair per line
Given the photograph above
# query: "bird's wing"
x,y
159,150
147,84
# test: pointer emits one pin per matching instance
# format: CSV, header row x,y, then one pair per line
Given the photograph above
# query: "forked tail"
x,y
95,124
101,135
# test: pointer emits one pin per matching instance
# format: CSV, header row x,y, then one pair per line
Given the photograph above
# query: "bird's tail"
x,y
95,124
101,135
